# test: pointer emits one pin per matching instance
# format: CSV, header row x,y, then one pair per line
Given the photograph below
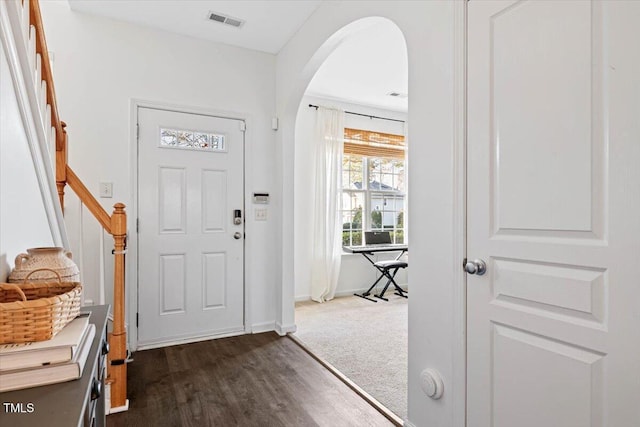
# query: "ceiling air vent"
x,y
225,19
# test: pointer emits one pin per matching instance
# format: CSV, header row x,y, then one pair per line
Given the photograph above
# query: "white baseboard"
x,y
263,327
107,402
119,408
189,340
283,330
303,298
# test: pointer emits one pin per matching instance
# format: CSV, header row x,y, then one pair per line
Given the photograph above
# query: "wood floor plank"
x,y
250,380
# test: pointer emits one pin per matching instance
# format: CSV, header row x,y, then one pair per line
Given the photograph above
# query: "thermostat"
x,y
261,198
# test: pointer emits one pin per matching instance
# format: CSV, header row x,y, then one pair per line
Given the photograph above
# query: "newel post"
x,y
61,165
118,337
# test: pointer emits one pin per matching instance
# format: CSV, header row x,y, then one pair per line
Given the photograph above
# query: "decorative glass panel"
x,y
191,140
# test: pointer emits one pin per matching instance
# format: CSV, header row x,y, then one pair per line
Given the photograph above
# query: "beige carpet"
x,y
366,341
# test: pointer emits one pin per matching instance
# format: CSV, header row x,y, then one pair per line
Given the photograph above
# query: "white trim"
x,y
459,172
408,423
259,328
189,340
349,292
117,409
283,330
393,418
302,298
15,47
132,240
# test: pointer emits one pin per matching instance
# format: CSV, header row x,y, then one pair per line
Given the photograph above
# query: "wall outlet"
x,y
106,189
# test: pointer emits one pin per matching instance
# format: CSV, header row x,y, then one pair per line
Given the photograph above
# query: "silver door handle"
x,y
477,266
237,235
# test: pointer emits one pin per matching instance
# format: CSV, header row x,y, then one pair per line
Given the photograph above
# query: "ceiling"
x,y
366,67
269,24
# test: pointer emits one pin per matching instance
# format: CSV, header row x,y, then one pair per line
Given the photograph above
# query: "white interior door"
x,y
190,275
554,210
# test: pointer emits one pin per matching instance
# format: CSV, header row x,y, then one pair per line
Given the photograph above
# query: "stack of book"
x,y
57,360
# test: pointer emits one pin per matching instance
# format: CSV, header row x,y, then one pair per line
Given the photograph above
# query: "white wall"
x,y
356,273
101,65
23,218
433,30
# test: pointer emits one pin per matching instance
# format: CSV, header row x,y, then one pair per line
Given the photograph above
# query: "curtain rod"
x,y
363,115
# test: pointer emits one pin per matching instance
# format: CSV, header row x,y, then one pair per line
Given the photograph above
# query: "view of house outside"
x,y
373,198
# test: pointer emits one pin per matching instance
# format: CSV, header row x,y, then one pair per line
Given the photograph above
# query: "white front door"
x,y
191,226
554,210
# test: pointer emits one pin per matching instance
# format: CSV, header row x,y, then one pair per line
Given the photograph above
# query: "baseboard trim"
x,y
263,327
283,330
353,386
189,340
119,408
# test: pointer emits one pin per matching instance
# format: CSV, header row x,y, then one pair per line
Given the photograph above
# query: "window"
x,y
191,140
373,185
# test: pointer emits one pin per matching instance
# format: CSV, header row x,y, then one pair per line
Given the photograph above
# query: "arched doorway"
x,y
366,77
434,33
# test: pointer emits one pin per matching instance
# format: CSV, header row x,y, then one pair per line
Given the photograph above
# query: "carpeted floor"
x,y
366,341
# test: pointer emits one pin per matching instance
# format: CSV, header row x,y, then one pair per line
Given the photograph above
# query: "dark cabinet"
x,y
73,403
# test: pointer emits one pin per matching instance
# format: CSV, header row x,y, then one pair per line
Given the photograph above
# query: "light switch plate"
x,y
106,189
261,214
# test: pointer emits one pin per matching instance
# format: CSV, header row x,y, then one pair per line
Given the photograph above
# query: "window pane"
x,y
352,172
386,182
387,213
352,207
386,165
386,174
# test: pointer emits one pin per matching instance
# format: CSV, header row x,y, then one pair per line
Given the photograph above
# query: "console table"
x,y
73,403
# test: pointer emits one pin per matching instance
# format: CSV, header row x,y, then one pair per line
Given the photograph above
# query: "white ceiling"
x,y
269,24
362,70
366,67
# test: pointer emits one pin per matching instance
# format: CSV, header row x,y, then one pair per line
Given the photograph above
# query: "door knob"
x,y
237,235
477,266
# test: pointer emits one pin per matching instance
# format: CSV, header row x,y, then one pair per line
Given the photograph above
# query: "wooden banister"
x,y
89,201
35,17
61,166
116,224
118,338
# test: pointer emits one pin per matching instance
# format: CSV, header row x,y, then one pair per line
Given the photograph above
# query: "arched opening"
x,y
361,70
434,34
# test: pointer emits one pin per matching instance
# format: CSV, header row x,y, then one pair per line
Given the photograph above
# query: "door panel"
x,y
558,388
541,114
191,267
552,207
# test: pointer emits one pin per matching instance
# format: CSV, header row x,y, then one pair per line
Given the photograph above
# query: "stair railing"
x,y
114,224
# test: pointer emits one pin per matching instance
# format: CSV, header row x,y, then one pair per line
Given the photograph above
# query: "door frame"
x,y
132,238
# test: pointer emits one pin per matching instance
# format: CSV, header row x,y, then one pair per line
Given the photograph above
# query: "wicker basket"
x,y
37,311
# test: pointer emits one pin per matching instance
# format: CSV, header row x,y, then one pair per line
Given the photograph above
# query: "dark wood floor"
x,y
250,380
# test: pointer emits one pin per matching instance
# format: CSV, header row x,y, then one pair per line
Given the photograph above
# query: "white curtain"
x,y
327,228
